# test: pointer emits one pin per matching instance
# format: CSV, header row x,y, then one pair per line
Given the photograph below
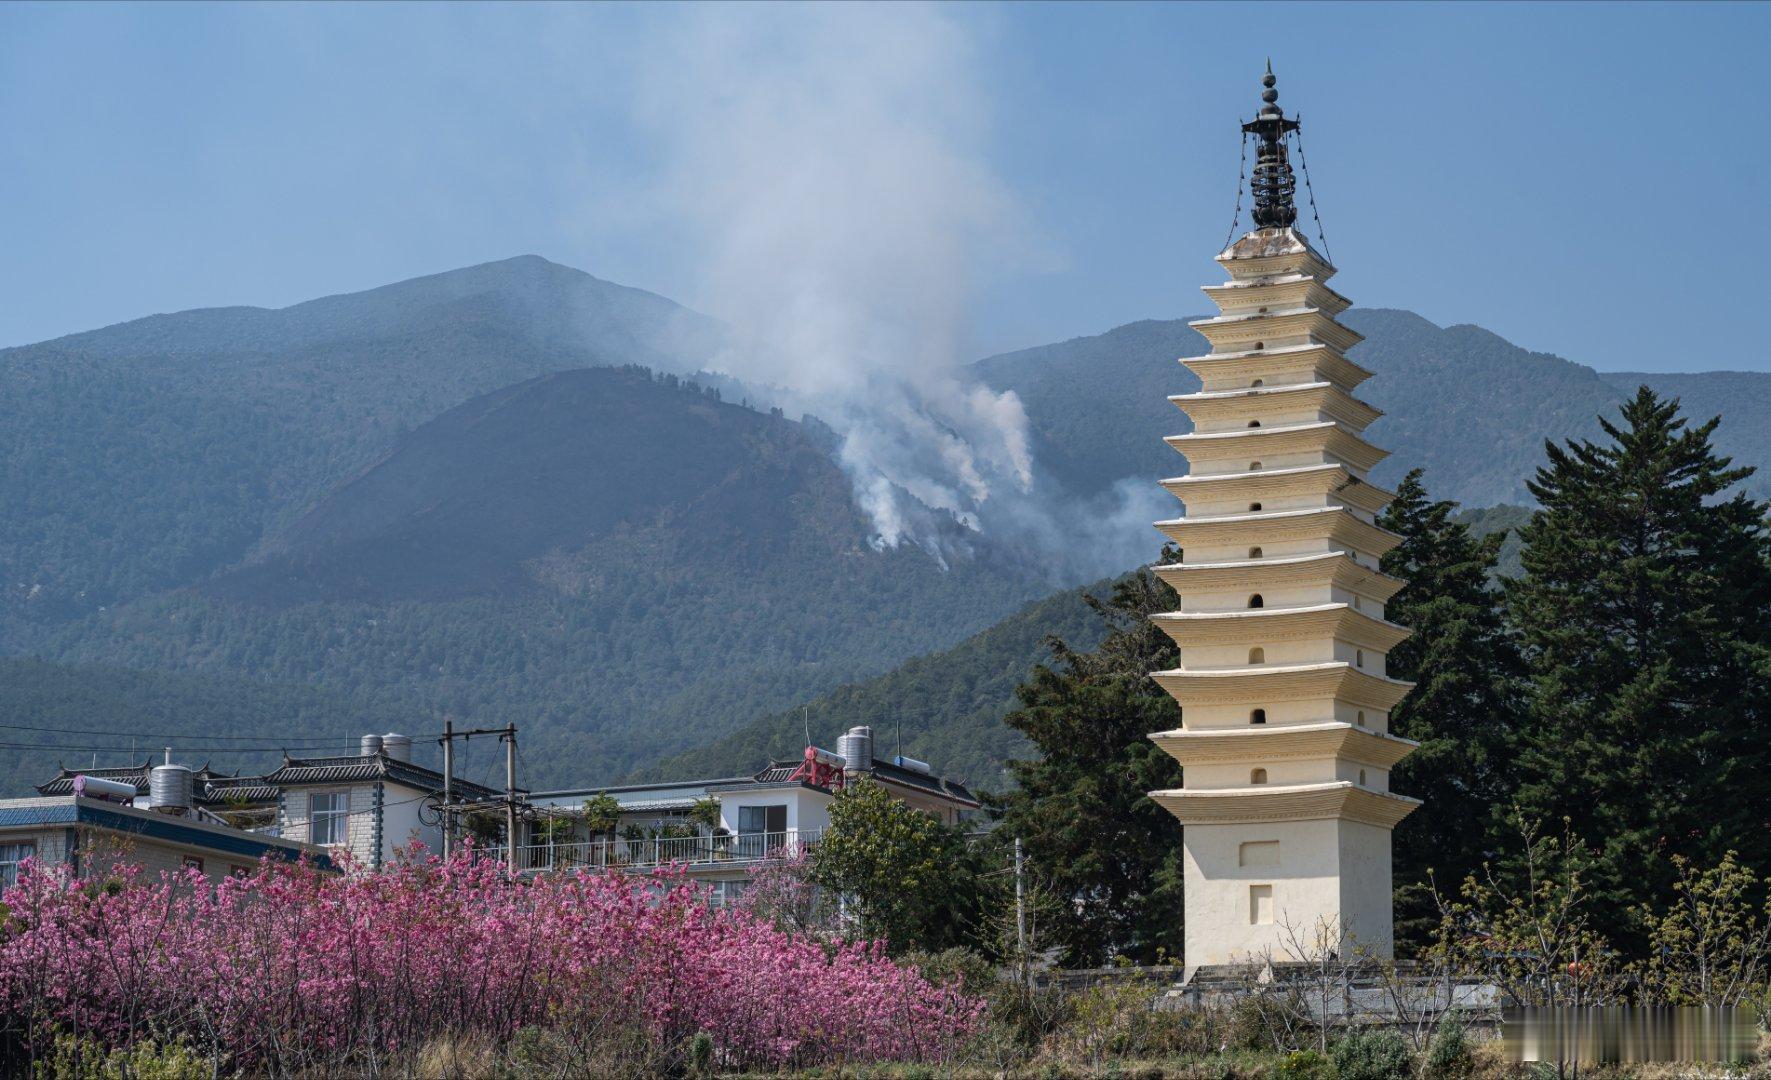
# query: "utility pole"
x,y
510,793
506,734
448,784
1020,913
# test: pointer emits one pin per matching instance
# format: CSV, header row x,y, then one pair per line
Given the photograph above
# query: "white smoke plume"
x,y
828,164
828,159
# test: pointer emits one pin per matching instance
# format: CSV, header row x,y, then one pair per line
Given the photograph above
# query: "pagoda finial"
x,y
1272,184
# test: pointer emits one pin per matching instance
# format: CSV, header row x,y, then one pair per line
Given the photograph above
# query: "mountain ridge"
x,y
1098,405
378,312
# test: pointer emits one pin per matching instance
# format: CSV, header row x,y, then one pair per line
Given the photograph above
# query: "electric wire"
x,y
1241,179
152,745
243,739
1304,163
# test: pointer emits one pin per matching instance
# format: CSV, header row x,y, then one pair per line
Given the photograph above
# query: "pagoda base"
x,y
1286,891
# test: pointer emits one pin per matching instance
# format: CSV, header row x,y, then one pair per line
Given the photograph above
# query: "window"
x,y
1255,601
1254,552
1254,466
1361,777
726,893
1252,507
191,862
1258,853
1260,904
1258,382
329,817
1258,776
1260,345
761,830
1259,716
1257,655
1254,423
10,856
1355,603
1360,718
1359,657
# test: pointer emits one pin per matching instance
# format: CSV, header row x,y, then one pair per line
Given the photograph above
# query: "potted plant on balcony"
x,y
601,814
705,813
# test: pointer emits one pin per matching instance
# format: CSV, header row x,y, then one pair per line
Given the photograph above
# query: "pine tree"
x,y
1645,610
1464,707
1091,835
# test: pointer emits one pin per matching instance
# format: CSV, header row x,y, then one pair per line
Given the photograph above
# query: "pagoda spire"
x,y
1273,183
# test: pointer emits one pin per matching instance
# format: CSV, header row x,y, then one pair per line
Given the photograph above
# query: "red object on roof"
x,y
818,772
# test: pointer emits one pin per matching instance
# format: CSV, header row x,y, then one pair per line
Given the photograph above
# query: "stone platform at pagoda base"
x,y
1357,993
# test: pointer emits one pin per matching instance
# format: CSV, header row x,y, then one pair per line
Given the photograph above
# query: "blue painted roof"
x,y
67,810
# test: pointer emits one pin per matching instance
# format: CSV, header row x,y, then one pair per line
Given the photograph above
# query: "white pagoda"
x,y
1285,804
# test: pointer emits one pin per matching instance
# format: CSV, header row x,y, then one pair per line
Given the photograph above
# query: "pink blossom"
x,y
291,968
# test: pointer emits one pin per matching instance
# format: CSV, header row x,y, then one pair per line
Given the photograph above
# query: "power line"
x,y
269,744
151,745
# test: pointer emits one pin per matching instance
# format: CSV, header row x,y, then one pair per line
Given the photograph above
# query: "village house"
x,y
375,803
372,804
717,830
95,823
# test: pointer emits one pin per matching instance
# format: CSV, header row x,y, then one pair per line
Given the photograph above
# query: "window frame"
x,y
337,818
9,866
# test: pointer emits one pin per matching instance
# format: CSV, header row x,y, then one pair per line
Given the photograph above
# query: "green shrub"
x,y
698,1055
1372,1055
1449,1055
1305,1065
83,1058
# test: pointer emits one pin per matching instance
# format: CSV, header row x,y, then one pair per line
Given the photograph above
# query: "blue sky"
x,y
1582,179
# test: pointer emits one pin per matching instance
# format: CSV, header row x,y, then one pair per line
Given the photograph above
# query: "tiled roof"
x,y
297,772
780,773
210,787
934,785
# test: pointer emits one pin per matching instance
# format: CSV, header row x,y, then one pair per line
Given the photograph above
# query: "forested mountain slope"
x,y
948,706
45,704
147,455
621,564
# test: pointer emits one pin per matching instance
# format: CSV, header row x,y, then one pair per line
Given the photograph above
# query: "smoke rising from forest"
x,y
830,164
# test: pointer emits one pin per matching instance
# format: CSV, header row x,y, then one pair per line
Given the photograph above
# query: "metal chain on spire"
x,y
1310,191
1241,179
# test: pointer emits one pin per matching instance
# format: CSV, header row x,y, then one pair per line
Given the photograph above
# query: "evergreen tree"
x,y
907,878
1645,611
1464,706
1090,832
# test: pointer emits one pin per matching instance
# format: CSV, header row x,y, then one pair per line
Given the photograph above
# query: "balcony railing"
x,y
642,854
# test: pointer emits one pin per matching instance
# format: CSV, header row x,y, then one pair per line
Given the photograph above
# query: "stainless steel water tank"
x,y
169,787
856,749
398,747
